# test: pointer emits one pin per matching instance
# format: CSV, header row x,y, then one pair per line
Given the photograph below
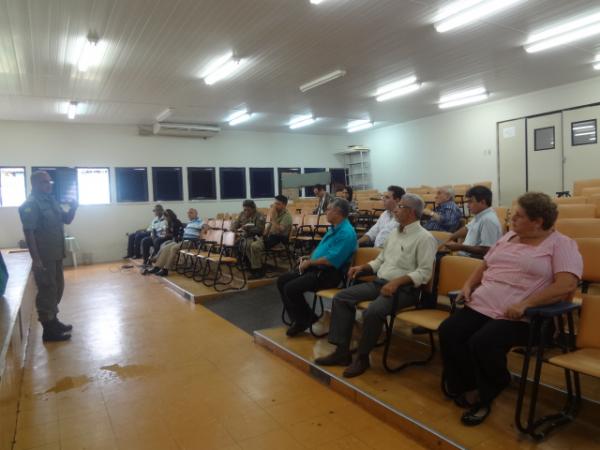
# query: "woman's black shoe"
x,y
462,402
162,272
476,415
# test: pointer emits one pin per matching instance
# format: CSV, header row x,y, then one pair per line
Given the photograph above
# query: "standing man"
x,y
323,270
446,214
43,222
405,264
324,198
378,233
277,232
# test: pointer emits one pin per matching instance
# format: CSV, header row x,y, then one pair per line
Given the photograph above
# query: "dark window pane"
x,y
544,139
308,190
201,183
132,184
261,183
167,183
233,182
338,179
65,182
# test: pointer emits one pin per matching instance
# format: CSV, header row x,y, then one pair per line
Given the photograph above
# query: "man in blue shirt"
x,y
323,270
446,215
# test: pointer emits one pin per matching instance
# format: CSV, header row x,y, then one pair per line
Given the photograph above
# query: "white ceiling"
x,y
155,49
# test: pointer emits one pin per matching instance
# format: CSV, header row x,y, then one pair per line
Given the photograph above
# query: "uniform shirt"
x,y
449,219
257,220
192,230
42,214
515,271
323,203
408,252
484,230
338,245
284,220
379,232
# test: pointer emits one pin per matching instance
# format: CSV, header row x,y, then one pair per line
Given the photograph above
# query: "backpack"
x,y
3,276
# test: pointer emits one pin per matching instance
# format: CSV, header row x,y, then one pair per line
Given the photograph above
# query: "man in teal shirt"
x,y
323,270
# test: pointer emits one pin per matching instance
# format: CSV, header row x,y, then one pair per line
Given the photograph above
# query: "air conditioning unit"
x,y
189,130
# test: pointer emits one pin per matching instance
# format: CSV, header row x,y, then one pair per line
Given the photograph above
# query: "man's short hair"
x,y
414,202
282,198
448,190
480,193
342,204
320,187
158,208
249,204
36,175
397,192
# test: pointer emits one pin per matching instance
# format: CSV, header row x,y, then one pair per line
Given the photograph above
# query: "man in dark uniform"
x,y
43,219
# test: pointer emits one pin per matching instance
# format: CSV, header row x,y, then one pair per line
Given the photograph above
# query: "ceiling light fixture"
x,y
597,63
164,115
238,117
221,68
301,121
463,98
566,33
359,125
316,2
398,88
322,80
91,54
464,12
72,110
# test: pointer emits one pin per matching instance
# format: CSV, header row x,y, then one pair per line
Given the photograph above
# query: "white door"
x,y
545,154
582,151
511,161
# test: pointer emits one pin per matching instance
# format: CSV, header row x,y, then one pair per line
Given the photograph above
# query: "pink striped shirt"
x,y
515,271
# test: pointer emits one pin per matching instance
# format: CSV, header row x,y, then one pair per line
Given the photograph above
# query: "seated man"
x,y
405,263
250,226
168,253
446,215
323,270
157,235
324,197
483,231
378,233
277,232
134,242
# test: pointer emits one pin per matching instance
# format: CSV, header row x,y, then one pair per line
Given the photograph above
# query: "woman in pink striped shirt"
x,y
532,265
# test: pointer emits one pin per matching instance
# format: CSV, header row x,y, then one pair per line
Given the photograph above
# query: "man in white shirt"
x,y
405,263
379,232
483,231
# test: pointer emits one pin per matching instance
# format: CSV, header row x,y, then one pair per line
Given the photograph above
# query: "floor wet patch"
x,y
68,383
129,371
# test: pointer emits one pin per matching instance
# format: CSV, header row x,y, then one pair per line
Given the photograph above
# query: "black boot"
x,y
64,327
52,333
162,272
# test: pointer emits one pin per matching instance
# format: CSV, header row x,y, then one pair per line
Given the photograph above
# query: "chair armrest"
x,y
553,310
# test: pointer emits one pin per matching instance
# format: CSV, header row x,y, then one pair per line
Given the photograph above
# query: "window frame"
x,y
213,170
264,170
24,183
242,170
146,193
155,195
573,144
312,170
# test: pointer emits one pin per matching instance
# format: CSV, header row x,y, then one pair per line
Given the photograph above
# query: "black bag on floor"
x,y
3,275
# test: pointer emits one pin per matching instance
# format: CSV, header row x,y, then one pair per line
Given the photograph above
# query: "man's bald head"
x,y
41,182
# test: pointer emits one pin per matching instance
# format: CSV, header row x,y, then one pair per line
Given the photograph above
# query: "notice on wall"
x,y
508,132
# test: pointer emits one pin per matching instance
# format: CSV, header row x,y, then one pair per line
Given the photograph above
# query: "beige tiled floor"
x,y
148,370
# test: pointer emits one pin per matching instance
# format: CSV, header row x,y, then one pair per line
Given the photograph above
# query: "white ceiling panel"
x,y
155,49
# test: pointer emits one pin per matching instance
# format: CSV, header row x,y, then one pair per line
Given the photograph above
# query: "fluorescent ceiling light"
x,y
597,63
239,117
586,133
72,110
464,12
91,53
583,127
301,121
221,68
164,115
322,80
359,125
397,88
396,85
566,33
398,92
463,98
316,2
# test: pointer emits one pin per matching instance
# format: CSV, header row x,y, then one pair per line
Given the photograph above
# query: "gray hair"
x,y
342,204
414,202
448,190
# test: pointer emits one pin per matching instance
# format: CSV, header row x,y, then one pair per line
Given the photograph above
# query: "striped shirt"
x,y
449,218
515,271
192,230
158,226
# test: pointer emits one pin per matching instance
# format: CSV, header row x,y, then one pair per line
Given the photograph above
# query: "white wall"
x,y
459,146
101,229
